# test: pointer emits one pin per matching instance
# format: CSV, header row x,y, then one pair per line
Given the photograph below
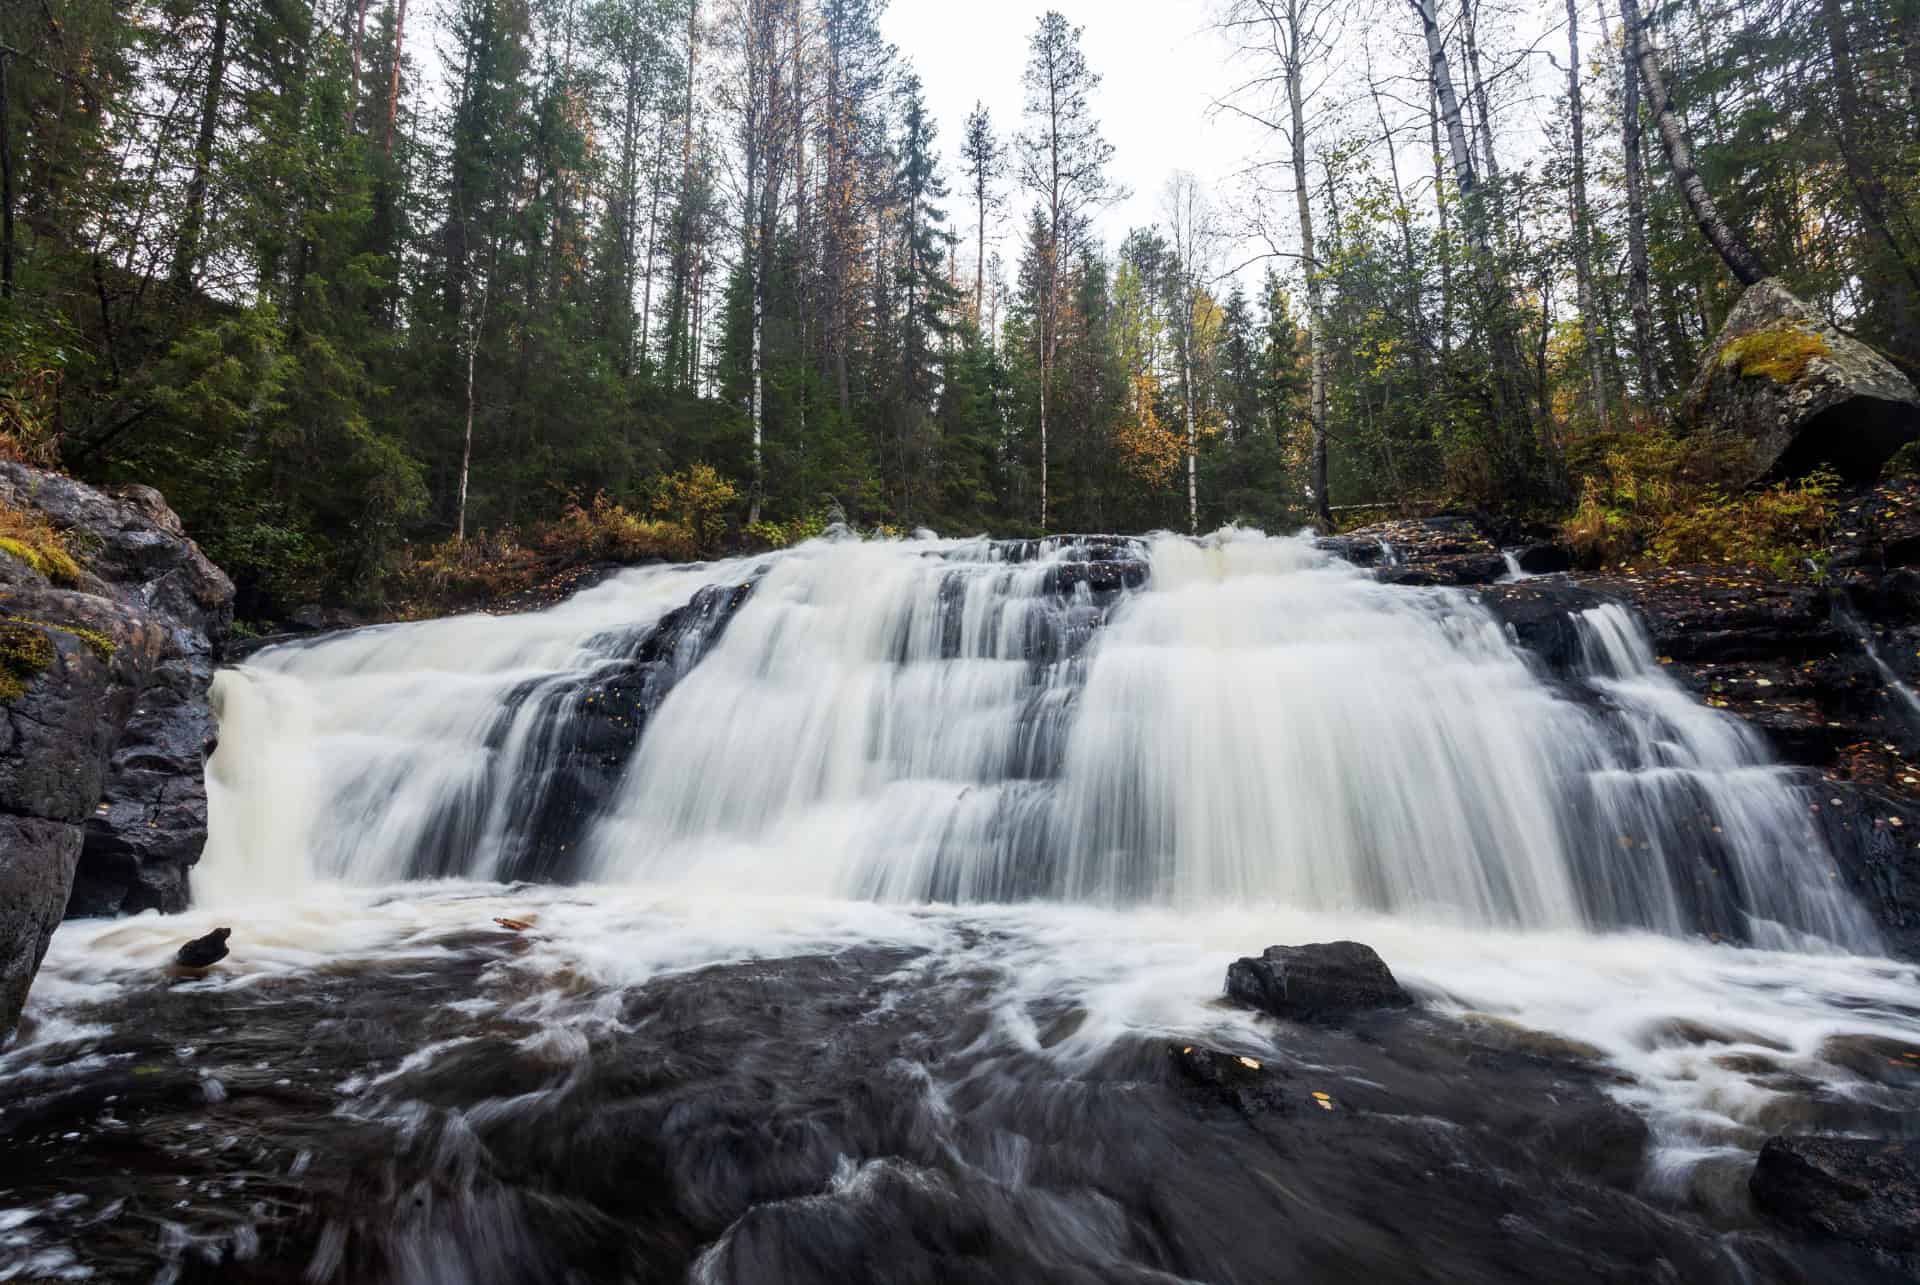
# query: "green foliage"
x,y
697,501
1668,497
782,535
33,360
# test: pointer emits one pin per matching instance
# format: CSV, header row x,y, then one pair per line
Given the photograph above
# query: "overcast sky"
x,y
1160,65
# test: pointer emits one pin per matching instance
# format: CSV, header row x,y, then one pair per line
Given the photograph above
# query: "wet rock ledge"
x,y
104,725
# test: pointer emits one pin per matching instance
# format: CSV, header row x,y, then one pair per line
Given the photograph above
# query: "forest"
x,y
383,296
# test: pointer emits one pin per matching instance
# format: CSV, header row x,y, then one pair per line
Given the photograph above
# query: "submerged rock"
x,y
1246,1084
1804,395
1853,1189
204,952
1326,979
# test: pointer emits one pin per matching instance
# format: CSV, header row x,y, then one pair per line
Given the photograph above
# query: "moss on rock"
x,y
1782,354
25,654
26,651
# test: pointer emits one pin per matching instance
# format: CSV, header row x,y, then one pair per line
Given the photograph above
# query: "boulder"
x,y
37,858
103,714
1803,394
204,952
146,824
1853,1189
1304,983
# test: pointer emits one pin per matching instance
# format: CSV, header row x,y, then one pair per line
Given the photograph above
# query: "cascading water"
x,y
827,916
1182,723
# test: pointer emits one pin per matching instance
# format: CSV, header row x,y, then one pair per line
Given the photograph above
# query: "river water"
x,y
857,898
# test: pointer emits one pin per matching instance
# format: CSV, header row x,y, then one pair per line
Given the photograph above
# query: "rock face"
x,y
1852,1189
1303,983
102,743
1805,395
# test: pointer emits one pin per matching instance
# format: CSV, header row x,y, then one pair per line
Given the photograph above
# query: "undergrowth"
x,y
28,536
688,520
1673,499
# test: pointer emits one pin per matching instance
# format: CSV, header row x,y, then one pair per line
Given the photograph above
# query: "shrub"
x,y
782,535
32,364
457,573
603,531
697,499
1671,497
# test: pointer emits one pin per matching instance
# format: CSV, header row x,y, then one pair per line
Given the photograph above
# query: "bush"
x,y
456,573
603,531
782,535
697,500
1670,497
32,364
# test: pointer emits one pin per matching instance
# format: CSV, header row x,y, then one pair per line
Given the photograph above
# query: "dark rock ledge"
x,y
103,715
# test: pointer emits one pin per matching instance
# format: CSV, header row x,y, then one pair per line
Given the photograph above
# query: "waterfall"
x,y
1239,720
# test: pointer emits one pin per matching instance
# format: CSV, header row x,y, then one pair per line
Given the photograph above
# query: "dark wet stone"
x,y
204,952
1325,979
102,753
1246,1084
1603,1140
37,857
1852,1189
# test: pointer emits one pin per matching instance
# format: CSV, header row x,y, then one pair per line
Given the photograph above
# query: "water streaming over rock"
x,y
1093,720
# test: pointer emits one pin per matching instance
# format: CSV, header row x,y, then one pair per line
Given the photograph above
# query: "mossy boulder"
x,y
1803,395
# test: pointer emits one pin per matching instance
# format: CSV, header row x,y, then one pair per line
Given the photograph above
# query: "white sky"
x,y
1160,64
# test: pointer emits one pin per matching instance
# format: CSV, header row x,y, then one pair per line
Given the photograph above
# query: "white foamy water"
x,y
1675,1016
1023,761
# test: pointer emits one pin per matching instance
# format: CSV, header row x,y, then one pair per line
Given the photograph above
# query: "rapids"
x,y
865,886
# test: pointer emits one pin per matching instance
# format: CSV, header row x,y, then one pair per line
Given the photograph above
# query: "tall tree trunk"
x,y
353,63
393,84
979,243
750,239
1512,409
1310,264
466,450
1583,223
6,190
1440,212
1740,260
1908,25
653,239
1477,87
1403,216
1639,285
186,257
1193,435
1900,279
